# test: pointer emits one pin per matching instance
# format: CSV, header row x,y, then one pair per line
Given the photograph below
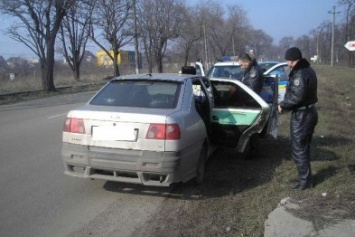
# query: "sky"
x,y
277,18
280,18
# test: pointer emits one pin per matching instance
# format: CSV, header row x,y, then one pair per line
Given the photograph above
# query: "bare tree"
x,y
226,32
190,32
159,22
37,27
112,20
260,43
304,44
216,29
286,42
74,35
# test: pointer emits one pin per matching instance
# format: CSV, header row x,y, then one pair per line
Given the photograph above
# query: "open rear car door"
x,y
239,112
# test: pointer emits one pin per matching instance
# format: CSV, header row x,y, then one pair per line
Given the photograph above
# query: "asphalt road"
x,y
37,199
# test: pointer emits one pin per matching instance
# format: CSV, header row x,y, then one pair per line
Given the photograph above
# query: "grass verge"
x,y
18,94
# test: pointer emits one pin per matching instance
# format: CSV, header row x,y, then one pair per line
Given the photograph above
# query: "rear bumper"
x,y
143,167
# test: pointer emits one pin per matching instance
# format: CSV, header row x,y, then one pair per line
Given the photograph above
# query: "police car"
x,y
233,70
281,71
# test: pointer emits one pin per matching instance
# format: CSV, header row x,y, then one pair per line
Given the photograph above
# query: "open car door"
x,y
238,113
200,71
270,94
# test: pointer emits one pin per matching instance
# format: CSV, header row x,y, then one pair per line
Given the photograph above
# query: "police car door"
x,y
270,94
238,113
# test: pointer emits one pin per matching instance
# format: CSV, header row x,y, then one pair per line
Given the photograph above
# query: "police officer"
x,y
253,78
253,73
300,98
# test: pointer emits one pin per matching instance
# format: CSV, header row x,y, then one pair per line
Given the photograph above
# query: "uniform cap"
x,y
293,54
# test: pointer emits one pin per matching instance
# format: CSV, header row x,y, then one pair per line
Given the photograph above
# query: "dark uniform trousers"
x,y
303,122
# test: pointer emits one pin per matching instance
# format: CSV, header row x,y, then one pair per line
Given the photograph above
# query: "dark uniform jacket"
x,y
301,88
253,77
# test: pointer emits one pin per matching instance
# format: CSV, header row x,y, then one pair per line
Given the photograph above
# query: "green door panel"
x,y
237,117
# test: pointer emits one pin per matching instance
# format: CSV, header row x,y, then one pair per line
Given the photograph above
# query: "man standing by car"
x,y
253,73
253,78
300,98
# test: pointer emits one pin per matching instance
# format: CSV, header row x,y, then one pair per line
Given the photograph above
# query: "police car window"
x,y
282,72
227,71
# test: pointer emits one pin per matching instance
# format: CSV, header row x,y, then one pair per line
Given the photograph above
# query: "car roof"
x,y
227,63
275,66
267,62
176,77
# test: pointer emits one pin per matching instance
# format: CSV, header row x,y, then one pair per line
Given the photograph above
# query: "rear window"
x,y
142,93
230,71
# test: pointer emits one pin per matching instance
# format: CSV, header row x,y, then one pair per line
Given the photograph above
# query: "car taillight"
x,y
164,132
74,125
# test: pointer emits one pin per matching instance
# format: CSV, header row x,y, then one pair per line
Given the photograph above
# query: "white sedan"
x,y
159,129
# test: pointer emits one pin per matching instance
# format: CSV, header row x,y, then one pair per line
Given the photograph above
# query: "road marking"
x,y
55,116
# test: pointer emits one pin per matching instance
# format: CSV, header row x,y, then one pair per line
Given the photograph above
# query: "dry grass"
x,y
30,87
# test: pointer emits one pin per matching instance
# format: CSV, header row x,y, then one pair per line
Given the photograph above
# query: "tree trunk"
x,y
115,62
76,71
148,55
49,80
150,66
160,61
150,62
43,74
186,57
76,65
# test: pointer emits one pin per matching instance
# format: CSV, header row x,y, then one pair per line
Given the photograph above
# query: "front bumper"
x,y
130,166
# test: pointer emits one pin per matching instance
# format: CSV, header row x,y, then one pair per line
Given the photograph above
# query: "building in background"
x,y
124,59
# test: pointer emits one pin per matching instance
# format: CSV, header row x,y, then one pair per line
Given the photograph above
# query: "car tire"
x,y
201,166
246,155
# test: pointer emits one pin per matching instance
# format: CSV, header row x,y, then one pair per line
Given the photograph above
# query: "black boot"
x,y
300,187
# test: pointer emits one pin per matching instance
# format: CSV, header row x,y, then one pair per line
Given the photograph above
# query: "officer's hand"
x,y
279,109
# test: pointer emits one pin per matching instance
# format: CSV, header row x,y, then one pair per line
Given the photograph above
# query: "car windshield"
x,y
142,93
226,71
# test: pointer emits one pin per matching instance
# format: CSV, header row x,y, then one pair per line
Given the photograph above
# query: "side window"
x,y
202,103
199,93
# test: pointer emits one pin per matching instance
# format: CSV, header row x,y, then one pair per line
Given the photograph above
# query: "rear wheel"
x,y
201,166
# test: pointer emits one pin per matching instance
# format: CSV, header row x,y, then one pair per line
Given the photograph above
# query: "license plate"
x,y
114,134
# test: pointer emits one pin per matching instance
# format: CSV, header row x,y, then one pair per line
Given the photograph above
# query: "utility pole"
x,y
333,29
205,38
204,32
317,45
136,55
